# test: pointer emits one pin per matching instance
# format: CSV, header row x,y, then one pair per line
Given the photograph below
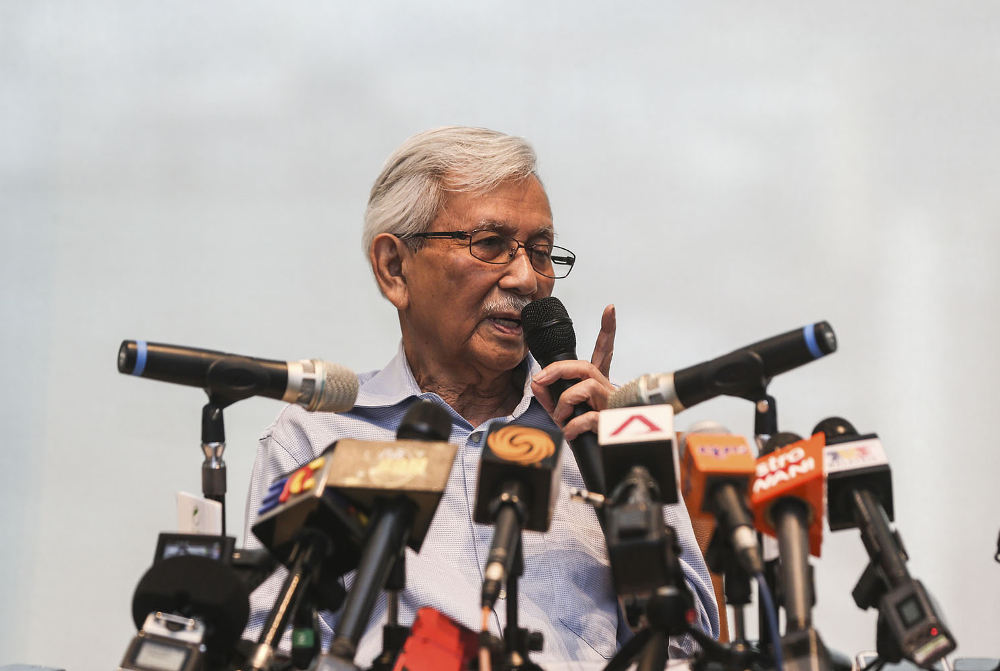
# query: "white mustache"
x,y
505,303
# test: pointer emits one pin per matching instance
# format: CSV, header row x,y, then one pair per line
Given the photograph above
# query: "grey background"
x,y
195,173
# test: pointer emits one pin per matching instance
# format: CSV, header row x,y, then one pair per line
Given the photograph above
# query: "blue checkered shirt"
x,y
566,591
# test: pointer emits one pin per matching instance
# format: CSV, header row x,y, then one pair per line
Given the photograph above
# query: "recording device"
x,y
200,545
166,643
549,333
860,495
518,478
717,469
743,372
192,605
314,384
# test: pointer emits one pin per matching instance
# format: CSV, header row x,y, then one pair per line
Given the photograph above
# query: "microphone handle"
x,y
386,540
586,447
506,534
878,538
791,517
237,375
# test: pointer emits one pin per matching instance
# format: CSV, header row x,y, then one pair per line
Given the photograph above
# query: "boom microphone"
x,y
314,384
549,333
738,373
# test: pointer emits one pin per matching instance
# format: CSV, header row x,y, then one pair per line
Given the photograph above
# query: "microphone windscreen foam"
x,y
548,330
340,388
425,420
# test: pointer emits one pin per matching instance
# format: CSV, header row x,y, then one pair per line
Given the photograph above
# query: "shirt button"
x,y
475,437
503,594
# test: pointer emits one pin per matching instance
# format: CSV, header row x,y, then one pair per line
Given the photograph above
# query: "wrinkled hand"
x,y
593,387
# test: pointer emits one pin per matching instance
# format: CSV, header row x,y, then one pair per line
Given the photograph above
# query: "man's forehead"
x,y
515,207
509,228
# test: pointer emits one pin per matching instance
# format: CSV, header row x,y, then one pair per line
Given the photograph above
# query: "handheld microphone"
x,y
859,494
549,333
740,373
314,384
518,478
787,500
716,473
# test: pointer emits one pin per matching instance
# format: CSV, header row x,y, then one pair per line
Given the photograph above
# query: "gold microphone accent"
x,y
521,444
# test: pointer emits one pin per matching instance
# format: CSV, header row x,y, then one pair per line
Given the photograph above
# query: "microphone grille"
x,y
548,330
340,388
625,396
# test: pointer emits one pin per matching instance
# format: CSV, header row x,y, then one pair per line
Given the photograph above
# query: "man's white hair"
x,y
408,192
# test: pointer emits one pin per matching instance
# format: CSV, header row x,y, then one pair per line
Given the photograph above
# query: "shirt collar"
x,y
395,383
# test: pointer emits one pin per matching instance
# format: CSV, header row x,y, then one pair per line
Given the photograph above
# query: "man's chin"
x,y
503,358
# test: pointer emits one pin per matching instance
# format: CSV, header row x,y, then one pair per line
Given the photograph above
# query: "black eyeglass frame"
x,y
569,261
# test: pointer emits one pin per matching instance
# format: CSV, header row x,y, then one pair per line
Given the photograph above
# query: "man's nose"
x,y
519,275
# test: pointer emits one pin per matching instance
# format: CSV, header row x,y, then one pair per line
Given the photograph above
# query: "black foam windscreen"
x,y
190,586
835,427
778,441
548,330
425,420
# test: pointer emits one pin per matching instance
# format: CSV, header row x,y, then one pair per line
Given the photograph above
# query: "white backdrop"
x,y
195,173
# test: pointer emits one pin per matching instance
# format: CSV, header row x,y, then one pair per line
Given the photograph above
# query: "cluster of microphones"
x,y
359,506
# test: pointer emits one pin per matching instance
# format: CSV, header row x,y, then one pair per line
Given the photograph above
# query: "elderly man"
x,y
460,237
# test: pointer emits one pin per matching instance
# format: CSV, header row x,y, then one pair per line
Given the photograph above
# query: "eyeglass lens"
x,y
493,247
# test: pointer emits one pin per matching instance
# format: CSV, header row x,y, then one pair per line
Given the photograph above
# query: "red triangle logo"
x,y
652,427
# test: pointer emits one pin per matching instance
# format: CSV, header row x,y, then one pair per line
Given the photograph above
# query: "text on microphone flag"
x,y
854,455
794,471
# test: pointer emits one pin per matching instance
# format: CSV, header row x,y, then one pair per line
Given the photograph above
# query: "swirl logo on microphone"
x,y
521,444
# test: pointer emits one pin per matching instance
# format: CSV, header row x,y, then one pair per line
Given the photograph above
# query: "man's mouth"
x,y
507,325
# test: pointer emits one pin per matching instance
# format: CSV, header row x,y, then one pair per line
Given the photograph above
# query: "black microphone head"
x,y
425,420
835,428
778,441
548,330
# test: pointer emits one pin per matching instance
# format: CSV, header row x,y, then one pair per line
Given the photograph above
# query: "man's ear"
x,y
386,256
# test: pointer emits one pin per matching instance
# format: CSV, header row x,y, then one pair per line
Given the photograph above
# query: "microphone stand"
x,y
720,558
213,444
394,635
518,641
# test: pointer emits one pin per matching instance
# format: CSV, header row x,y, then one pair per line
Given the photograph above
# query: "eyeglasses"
x,y
548,260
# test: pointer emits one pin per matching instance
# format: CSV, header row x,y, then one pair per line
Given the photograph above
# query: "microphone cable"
x,y
764,592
